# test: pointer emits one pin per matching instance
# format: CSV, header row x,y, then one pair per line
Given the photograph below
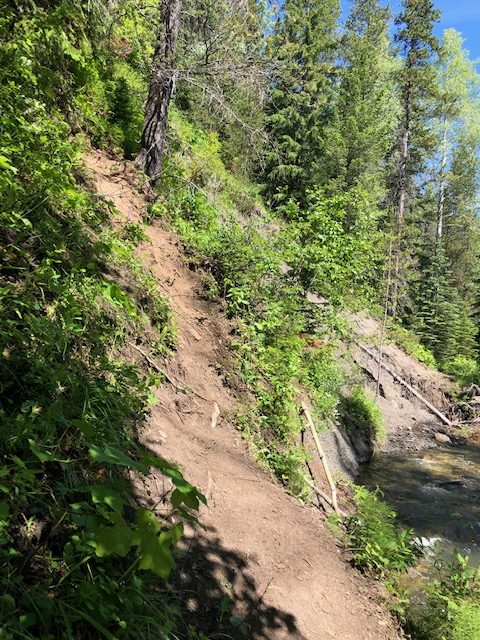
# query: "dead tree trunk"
x,y
401,204
162,88
441,196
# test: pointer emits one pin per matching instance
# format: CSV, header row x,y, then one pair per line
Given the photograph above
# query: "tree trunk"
x,y
162,88
441,196
401,205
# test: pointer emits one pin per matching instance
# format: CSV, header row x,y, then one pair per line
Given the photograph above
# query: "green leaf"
x,y
146,521
4,513
84,427
110,455
7,603
115,540
190,499
5,164
43,454
104,494
156,555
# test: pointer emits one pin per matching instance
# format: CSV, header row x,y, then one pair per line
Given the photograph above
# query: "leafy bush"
x,y
361,412
410,343
463,370
451,610
334,244
377,544
79,557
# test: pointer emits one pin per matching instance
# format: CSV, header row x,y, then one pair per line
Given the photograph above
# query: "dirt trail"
x,y
261,548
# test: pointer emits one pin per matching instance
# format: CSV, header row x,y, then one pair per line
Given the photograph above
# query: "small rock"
x,y
442,438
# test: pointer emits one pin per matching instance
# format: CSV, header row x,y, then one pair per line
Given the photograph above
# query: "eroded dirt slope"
x,y
260,547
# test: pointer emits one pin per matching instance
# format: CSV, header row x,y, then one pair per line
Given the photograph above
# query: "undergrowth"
x,y
376,542
450,610
361,413
282,342
79,557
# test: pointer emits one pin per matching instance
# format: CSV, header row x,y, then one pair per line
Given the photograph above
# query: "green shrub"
x,y
360,412
334,244
79,556
463,370
410,343
451,609
466,622
377,543
125,95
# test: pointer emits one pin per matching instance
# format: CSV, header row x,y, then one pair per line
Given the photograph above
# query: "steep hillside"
x,y
268,559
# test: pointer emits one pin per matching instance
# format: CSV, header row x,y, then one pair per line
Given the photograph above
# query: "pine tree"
x,y
443,320
462,236
304,44
457,88
450,248
417,87
366,108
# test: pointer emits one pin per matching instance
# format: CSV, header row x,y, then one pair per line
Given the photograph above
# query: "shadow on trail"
x,y
221,595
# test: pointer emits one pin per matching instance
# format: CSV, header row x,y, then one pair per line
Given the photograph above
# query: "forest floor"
x,y
260,549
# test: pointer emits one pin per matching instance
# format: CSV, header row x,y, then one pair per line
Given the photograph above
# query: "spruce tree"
x,y
304,46
450,247
416,81
367,107
443,319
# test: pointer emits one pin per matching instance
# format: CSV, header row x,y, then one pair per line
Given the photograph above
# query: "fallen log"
x,y
413,391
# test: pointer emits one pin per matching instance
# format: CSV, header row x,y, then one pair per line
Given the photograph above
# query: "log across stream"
x,y
435,492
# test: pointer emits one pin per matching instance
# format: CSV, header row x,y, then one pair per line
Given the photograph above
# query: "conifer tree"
x,y
450,248
367,108
457,91
415,140
462,237
305,47
443,320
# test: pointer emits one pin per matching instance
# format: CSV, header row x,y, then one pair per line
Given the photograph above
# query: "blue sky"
x,y
463,15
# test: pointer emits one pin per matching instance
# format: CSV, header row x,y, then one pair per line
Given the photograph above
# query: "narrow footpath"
x,y
259,547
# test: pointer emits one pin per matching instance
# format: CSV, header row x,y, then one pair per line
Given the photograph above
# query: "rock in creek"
x,y
442,438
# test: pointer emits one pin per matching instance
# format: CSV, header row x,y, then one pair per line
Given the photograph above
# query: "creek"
x,y
435,492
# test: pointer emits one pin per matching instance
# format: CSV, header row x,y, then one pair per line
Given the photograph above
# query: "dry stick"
x,y
215,415
321,494
394,375
316,439
167,377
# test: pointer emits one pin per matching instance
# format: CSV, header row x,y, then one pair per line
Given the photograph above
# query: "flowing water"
x,y
436,493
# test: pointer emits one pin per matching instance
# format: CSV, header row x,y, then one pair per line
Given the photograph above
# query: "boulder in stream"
x,y
442,438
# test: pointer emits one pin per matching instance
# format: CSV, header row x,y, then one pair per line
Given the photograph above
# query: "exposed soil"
x,y
410,425
262,549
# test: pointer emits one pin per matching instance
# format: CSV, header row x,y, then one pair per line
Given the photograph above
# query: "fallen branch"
x,y
322,495
168,378
326,468
394,375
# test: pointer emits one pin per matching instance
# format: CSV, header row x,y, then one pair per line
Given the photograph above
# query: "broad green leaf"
x,y
146,521
156,555
189,499
113,540
110,455
5,164
103,494
84,427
